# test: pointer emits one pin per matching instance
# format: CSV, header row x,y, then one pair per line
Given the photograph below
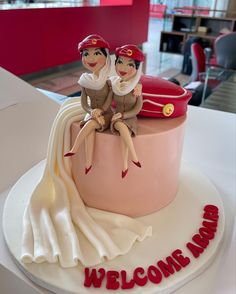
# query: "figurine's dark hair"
x,y
103,50
136,62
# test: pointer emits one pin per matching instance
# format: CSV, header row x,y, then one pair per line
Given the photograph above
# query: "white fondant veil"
x,y
57,226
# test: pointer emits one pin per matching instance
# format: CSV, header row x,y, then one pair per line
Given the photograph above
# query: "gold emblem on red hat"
x,y
129,52
94,41
168,109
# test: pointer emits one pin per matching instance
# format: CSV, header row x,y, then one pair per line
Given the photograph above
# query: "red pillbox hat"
x,y
130,51
93,41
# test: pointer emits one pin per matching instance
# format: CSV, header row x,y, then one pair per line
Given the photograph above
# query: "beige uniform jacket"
x,y
129,106
98,99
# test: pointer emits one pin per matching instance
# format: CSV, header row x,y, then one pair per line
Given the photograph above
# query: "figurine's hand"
x,y
109,84
116,116
96,113
101,120
137,90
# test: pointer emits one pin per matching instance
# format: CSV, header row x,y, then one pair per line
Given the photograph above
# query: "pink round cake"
x,y
144,190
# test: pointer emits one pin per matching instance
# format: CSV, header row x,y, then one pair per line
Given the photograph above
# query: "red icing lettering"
x,y
211,212
211,208
93,279
206,233
195,250
200,240
211,216
169,267
183,261
210,225
140,281
112,283
173,263
125,283
154,275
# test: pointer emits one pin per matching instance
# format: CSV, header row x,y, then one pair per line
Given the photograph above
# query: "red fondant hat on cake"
x,y
163,98
130,51
93,41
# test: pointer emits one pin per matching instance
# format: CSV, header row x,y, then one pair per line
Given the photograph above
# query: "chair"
x,y
198,62
213,73
201,61
223,63
225,48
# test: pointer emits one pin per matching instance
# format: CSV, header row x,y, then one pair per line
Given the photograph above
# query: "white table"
x,y
210,145
26,116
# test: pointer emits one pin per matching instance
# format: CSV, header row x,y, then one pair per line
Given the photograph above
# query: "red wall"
x,y
116,2
36,39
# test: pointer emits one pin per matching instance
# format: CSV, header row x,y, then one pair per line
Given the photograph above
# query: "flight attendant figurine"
x,y
128,99
96,88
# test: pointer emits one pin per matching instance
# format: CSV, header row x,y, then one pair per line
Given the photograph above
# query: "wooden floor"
x,y
62,81
224,97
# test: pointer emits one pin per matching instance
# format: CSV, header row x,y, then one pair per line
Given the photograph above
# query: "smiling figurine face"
x,y
125,68
93,59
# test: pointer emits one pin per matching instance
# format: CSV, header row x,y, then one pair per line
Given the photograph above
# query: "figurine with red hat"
x,y
128,99
95,88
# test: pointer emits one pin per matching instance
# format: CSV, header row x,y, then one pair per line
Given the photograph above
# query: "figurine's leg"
x,y
126,136
124,152
90,126
89,149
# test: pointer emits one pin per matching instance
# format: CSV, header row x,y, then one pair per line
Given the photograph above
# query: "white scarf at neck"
x,y
91,81
121,87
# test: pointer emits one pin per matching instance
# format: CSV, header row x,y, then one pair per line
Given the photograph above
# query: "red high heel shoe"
x,y
69,154
124,173
137,163
88,169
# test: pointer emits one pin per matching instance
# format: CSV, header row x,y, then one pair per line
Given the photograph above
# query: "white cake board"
x,y
173,227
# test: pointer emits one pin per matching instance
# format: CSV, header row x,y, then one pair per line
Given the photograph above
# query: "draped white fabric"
x,y
57,226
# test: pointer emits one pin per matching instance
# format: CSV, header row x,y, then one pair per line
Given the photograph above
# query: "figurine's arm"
x,y
95,113
84,101
135,110
137,90
108,100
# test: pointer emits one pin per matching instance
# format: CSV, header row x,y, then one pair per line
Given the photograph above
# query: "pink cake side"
x,y
144,190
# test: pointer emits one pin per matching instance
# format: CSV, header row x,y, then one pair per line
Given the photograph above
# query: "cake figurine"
x,y
94,51
128,99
